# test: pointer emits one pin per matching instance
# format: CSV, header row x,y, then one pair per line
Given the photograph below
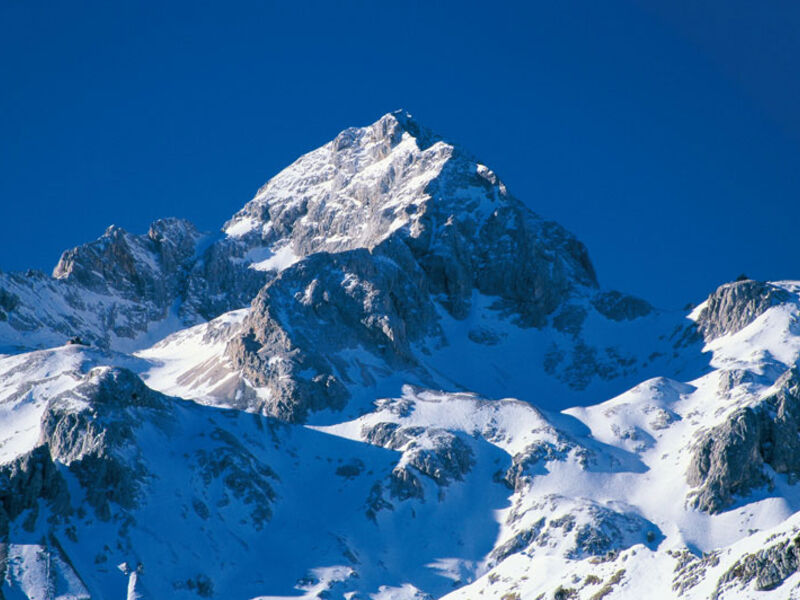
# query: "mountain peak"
x,y
405,122
371,300
396,180
389,184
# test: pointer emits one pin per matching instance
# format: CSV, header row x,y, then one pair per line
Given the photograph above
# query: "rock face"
x,y
730,458
26,480
220,280
767,569
575,528
148,271
94,430
8,302
436,453
302,322
394,179
110,289
735,305
134,266
525,465
620,307
90,429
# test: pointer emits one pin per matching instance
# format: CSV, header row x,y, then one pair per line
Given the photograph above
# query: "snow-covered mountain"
x,y
387,378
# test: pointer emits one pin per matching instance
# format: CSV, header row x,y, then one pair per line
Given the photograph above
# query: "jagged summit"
x,y
425,137
392,181
118,257
362,167
376,182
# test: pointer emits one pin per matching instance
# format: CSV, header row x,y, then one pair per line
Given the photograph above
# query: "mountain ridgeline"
x,y
386,377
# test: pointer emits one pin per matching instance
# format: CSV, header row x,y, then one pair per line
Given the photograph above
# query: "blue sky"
x,y
665,135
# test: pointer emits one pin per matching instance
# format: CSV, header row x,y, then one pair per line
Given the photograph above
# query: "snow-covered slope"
x,y
388,378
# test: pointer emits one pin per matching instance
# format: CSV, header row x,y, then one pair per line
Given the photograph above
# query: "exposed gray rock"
x,y
350,469
448,458
691,569
95,431
436,453
8,302
735,305
531,461
579,529
570,319
485,336
404,484
386,435
376,502
112,288
221,280
26,480
518,542
662,418
767,568
396,179
134,267
729,459
90,429
580,363
201,584
300,324
243,475
620,307
729,379
530,265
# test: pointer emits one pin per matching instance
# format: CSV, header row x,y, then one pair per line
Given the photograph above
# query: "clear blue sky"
x,y
665,135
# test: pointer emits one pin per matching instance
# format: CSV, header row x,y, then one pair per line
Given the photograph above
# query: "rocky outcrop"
x,y
113,288
735,305
767,569
436,453
243,477
27,480
91,430
532,461
620,307
579,363
576,528
496,246
8,302
221,280
729,459
144,267
301,324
